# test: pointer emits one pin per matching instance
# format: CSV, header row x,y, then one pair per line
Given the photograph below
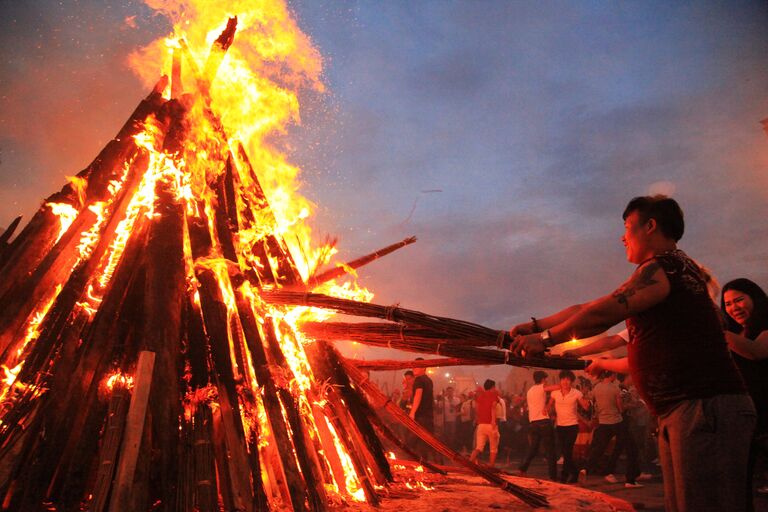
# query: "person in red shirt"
x,y
485,417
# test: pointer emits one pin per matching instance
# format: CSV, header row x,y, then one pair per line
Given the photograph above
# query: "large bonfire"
x,y
150,329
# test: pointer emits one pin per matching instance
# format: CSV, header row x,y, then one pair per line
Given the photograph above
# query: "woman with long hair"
x,y
745,308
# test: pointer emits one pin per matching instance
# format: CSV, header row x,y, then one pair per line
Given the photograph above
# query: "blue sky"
x,y
537,121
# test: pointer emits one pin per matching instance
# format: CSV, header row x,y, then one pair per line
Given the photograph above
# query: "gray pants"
x,y
704,451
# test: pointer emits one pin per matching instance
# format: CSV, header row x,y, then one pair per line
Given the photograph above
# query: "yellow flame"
x,y
32,333
66,214
78,185
118,379
254,89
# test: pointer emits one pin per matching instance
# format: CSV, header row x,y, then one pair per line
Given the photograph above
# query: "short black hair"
x,y
664,210
539,376
408,373
605,374
758,319
488,384
567,374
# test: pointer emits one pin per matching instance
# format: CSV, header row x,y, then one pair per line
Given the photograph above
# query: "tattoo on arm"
x,y
642,279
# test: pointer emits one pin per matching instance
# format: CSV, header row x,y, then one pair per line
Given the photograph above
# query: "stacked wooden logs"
x,y
220,411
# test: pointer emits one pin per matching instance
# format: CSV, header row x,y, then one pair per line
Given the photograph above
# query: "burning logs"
x,y
158,267
296,486
113,435
327,365
90,186
134,431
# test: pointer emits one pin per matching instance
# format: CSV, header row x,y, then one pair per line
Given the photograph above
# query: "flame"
x,y
78,185
32,333
118,379
254,90
66,214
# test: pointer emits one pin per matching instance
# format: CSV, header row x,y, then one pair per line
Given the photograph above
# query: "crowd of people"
x,y
695,374
485,422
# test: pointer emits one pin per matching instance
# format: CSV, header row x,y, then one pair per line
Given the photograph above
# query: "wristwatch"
x,y
546,338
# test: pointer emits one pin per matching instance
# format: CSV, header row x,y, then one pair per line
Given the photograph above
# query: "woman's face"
x,y
738,305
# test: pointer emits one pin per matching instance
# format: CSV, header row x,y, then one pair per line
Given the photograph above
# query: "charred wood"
x,y
161,334
110,444
296,486
327,361
121,499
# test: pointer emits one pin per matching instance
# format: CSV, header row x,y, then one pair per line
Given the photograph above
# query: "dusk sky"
x,y
507,136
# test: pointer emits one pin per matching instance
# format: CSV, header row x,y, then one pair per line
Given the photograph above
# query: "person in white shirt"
x,y
451,410
566,401
540,430
467,419
609,408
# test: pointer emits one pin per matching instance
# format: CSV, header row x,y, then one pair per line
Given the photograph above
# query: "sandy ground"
x,y
460,491
464,492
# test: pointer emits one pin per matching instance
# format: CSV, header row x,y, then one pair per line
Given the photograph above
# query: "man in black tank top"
x,y
677,356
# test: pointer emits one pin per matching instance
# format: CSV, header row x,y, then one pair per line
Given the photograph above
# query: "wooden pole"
x,y
37,238
164,291
388,364
327,363
532,498
204,462
110,443
134,431
297,488
340,270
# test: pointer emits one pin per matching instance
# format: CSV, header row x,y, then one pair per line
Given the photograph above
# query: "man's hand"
x,y
527,345
596,367
521,329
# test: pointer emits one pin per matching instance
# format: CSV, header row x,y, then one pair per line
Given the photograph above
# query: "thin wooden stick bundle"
x,y
471,355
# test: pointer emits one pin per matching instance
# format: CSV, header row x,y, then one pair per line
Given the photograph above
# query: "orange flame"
x,y
66,214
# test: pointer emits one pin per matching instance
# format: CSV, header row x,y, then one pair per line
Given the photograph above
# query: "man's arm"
x,y
647,287
549,405
545,323
416,401
619,403
596,347
756,349
620,365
